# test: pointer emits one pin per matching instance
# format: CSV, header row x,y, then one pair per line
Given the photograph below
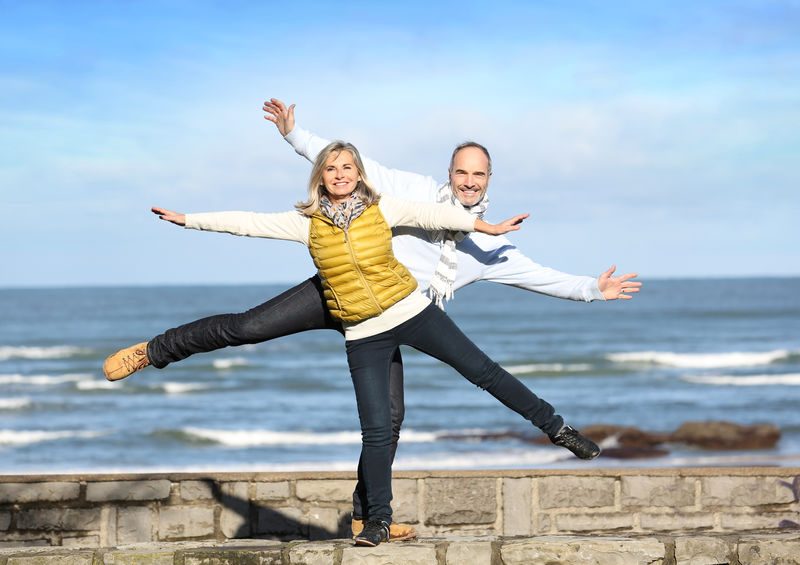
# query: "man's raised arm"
x,y
402,184
511,267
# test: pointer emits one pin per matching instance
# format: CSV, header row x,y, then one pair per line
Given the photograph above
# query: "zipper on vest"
x,y
358,270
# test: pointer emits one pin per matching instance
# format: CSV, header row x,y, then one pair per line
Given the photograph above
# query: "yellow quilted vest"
x,y
360,275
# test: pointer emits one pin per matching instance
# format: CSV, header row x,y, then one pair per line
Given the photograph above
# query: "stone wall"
x,y
111,510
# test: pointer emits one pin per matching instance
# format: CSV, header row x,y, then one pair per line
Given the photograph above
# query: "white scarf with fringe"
x,y
441,286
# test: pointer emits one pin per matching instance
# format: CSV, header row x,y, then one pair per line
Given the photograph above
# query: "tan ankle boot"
x,y
126,361
397,532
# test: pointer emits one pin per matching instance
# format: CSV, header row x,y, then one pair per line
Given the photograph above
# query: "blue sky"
x,y
660,136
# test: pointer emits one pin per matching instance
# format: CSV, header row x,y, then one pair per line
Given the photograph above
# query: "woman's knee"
x,y
378,436
490,374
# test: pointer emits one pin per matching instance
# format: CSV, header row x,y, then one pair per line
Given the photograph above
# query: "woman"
x,y
347,229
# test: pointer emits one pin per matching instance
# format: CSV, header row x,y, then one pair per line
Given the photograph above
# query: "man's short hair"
x,y
466,144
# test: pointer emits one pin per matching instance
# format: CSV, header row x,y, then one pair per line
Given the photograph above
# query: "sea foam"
x,y
180,388
223,364
548,368
252,438
26,437
701,360
747,380
30,352
14,403
43,380
96,385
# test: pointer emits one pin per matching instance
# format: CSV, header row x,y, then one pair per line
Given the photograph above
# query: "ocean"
x,y
682,350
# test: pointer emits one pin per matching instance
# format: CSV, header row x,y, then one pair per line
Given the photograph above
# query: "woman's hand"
x,y
277,113
511,224
617,287
170,216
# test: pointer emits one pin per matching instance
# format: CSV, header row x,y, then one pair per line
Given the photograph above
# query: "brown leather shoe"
x,y
126,361
397,532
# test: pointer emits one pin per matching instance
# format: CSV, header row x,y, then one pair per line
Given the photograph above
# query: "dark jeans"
x,y
434,333
298,309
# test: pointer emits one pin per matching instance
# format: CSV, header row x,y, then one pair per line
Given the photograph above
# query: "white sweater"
x,y
480,256
294,226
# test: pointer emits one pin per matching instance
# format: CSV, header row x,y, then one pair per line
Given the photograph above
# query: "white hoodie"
x,y
481,257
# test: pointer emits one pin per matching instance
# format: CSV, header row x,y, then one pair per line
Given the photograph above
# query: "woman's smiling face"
x,y
340,176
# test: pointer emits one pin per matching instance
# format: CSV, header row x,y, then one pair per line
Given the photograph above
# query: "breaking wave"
x,y
548,368
27,437
253,438
223,364
701,360
14,403
43,380
30,352
748,380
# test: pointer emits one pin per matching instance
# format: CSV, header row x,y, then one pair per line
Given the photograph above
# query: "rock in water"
x,y
727,435
624,436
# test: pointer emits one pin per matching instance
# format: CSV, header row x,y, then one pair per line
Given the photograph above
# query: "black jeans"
x,y
434,333
297,310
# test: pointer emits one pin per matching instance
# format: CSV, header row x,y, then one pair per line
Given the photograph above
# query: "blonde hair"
x,y
316,189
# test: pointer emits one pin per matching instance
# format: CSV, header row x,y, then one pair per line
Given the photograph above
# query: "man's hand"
x,y
276,112
170,216
511,224
617,287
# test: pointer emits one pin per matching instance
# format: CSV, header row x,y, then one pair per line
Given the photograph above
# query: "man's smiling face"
x,y
469,175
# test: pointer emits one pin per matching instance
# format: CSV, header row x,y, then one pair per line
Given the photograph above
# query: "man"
x,y
444,262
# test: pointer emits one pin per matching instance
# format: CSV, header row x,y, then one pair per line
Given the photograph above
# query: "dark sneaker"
x,y
374,532
570,438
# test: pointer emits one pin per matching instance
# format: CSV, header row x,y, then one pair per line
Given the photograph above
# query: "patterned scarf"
x,y
441,287
342,215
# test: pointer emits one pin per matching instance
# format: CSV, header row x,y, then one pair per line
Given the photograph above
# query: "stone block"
x,y
182,522
761,521
108,528
232,555
20,493
327,490
273,490
139,557
15,540
460,501
675,521
62,519
595,522
323,523
5,520
658,491
197,490
234,520
81,541
702,551
516,507
319,553
543,523
770,550
135,525
576,492
128,490
390,554
743,491
585,551
404,502
278,521
57,559
472,552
